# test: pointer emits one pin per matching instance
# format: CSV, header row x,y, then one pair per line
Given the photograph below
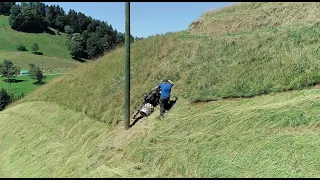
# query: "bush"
x,y
21,47
17,97
5,99
36,74
35,48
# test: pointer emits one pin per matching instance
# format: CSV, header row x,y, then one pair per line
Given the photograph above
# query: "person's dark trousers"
x,y
164,102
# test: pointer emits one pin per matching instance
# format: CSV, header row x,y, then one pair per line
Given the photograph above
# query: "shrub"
x,y
21,47
17,97
4,99
36,74
35,47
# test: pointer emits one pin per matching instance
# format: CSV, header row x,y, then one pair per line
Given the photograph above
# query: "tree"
x,y
60,22
93,45
76,49
36,74
120,38
5,99
51,15
83,22
97,45
131,39
73,20
138,38
8,70
76,45
21,47
106,42
5,7
68,30
28,17
56,17
15,18
35,48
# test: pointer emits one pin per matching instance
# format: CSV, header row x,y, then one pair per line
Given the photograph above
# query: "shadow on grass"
x,y
14,80
38,53
136,120
39,83
47,30
79,59
172,102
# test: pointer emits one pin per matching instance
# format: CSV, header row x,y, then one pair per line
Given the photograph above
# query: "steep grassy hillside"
x,y
56,130
275,135
204,68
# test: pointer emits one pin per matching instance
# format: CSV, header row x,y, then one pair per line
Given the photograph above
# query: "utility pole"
x,y
127,68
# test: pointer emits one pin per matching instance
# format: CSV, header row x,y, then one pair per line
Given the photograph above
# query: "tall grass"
x,y
251,16
203,69
272,135
275,135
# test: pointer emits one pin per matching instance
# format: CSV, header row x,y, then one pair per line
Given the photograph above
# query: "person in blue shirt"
x,y
165,88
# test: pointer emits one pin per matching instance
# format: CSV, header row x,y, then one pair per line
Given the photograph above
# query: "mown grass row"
x,y
275,135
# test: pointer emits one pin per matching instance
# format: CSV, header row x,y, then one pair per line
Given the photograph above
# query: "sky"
x,y
146,18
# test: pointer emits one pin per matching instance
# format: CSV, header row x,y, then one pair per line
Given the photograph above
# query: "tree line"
x,y
87,37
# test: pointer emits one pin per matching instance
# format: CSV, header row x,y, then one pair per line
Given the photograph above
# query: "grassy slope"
x,y
54,48
217,67
274,135
23,59
257,15
56,56
50,45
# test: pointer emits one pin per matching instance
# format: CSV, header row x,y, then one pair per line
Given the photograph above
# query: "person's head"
x,y
164,80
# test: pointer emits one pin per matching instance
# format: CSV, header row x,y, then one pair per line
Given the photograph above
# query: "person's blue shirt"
x,y
165,89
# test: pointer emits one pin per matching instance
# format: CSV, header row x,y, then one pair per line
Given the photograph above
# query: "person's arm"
x,y
155,87
170,82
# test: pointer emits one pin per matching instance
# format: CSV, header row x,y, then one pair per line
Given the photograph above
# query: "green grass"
x,y
25,84
56,56
274,135
203,70
257,15
73,126
55,52
50,45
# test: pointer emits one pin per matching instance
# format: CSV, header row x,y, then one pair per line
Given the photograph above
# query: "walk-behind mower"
x,y
151,100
